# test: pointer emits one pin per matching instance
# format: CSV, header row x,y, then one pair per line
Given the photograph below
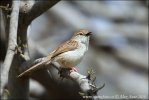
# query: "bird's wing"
x,y
67,46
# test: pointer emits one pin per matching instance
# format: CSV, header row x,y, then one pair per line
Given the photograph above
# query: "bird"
x,y
67,55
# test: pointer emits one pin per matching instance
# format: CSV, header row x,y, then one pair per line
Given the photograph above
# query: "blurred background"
x,y
118,49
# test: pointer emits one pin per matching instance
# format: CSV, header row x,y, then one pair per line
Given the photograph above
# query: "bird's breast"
x,y
73,57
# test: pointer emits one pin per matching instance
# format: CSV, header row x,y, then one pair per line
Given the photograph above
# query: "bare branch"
x,y
35,8
40,7
26,5
33,11
81,80
16,85
86,84
11,44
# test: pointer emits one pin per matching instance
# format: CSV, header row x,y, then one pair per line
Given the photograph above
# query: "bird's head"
x,y
83,32
82,36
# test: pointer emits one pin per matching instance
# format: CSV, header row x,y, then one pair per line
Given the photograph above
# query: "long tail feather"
x,y
33,68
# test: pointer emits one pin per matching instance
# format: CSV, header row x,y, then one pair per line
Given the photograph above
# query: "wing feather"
x,y
67,46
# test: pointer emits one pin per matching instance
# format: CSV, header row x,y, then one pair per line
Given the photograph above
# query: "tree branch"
x,y
86,83
34,8
16,85
11,44
17,48
40,7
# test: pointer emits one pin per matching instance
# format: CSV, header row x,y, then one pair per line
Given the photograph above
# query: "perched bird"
x,y
67,55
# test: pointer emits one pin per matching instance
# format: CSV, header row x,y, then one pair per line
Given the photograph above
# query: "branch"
x,y
19,47
16,85
34,8
86,83
11,44
41,7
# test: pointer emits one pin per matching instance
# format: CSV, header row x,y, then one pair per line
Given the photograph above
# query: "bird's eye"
x,y
80,33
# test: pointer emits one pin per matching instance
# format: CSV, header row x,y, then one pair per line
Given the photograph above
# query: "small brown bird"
x,y
67,55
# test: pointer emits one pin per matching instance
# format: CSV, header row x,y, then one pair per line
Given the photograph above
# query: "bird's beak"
x,y
89,33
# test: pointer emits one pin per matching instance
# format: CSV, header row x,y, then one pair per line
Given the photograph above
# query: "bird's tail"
x,y
35,67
